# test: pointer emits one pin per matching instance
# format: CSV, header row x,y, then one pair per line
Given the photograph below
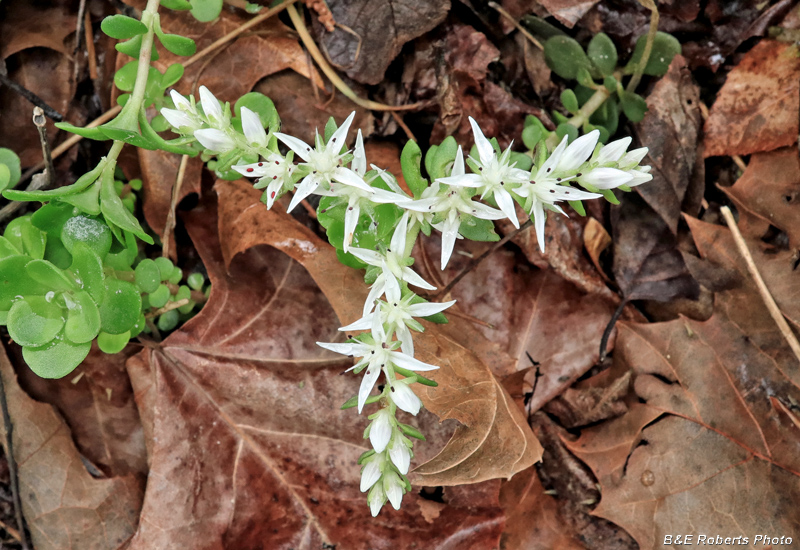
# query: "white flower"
x,y
605,177
613,151
404,397
181,103
323,164
399,453
576,154
274,173
212,108
371,471
215,140
392,265
375,356
394,487
640,176
253,129
398,313
632,158
455,203
496,175
186,123
376,499
380,432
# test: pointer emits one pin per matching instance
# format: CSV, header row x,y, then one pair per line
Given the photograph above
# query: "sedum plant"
x,y
74,271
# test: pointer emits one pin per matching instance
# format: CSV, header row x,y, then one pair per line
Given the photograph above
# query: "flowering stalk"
x,y
374,224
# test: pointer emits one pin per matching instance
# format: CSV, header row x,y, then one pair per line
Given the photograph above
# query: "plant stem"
x,y
588,109
648,48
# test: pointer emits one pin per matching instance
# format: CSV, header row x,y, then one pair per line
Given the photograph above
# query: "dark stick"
x,y
609,328
40,122
476,261
12,466
32,97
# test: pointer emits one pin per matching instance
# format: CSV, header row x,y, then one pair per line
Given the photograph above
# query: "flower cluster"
x,y
578,171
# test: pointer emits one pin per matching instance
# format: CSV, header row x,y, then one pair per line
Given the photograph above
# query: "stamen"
x,y
249,169
260,164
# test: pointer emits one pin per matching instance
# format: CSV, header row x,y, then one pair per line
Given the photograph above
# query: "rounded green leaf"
x,y
88,269
140,325
15,283
56,359
410,164
120,307
125,77
49,275
25,237
159,297
173,74
11,161
179,45
443,157
176,276
168,320
602,53
122,27
5,177
633,105
570,101
113,343
261,105
176,4
665,47
196,281
90,231
206,10
565,56
148,277
165,267
83,318
35,321
562,130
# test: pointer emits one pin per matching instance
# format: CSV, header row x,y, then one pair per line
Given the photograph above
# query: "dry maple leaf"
x,y
715,449
246,444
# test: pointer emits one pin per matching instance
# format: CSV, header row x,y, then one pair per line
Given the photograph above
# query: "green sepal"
x,y
365,455
578,207
418,377
410,431
610,196
353,401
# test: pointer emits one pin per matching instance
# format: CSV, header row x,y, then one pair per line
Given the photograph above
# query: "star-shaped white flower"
x,y
324,164
456,202
212,109
496,175
274,172
252,128
392,264
375,356
184,116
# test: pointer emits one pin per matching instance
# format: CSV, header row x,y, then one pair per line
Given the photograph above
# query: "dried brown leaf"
x,y
568,12
756,109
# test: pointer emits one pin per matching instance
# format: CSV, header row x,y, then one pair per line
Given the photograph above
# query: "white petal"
x,y
370,474
393,292
362,324
211,105
632,158
350,220
306,187
214,140
430,204
350,349
400,455
405,398
614,150
383,196
577,152
252,128
393,490
449,230
339,137
485,149
378,333
359,163
407,362
485,212
181,103
412,278
554,158
376,499
538,223
458,165
390,180
606,178
300,147
367,383
406,340
381,431
367,256
639,177
464,180
398,242
426,309
178,119
506,204
375,292
251,170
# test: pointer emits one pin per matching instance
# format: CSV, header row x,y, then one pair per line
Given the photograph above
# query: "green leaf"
x,y
56,359
565,129
196,281
115,212
88,133
584,78
159,297
125,77
445,155
23,235
633,105
569,100
34,321
11,161
88,200
206,10
7,249
165,267
521,160
261,105
172,75
178,5
532,134
83,318
476,229
113,343
611,83
168,320
14,281
5,176
88,269
132,47
602,53
120,307
122,27
665,47
47,274
410,164
565,56
541,28
92,232
177,44
83,182
148,277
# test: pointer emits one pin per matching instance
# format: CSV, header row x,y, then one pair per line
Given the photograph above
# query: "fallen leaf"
x,y
568,12
756,109
721,457
97,403
246,445
64,506
769,189
33,25
596,240
369,35
598,398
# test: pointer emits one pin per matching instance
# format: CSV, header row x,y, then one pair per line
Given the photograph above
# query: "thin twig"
x,y
78,33
91,54
477,261
169,307
516,24
12,465
609,328
41,125
169,226
398,118
32,97
766,296
11,531
311,46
